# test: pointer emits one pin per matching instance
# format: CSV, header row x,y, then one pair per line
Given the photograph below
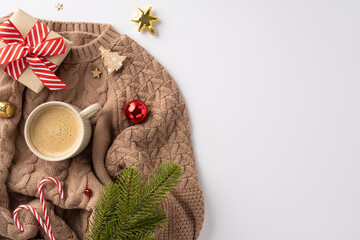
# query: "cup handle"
x,y
90,111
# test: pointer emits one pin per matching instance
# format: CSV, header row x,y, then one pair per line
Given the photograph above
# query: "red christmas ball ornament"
x,y
136,111
87,192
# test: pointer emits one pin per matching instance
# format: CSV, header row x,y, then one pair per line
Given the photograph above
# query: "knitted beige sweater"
x,y
116,143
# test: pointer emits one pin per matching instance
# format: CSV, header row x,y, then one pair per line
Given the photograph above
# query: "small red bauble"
x,y
136,111
87,192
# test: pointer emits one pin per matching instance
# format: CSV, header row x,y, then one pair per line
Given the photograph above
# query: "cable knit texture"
x,y
116,143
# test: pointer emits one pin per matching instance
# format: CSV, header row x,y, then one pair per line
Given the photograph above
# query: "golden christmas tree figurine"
x,y
145,20
112,60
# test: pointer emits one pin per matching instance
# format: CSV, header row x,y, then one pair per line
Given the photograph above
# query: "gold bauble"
x,y
6,109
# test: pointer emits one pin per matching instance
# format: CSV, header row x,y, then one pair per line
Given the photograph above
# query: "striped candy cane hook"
x,y
43,202
20,227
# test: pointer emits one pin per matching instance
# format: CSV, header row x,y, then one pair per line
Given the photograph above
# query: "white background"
x,y
273,92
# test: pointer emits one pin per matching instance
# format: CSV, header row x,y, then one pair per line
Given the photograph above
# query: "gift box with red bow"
x,y
30,52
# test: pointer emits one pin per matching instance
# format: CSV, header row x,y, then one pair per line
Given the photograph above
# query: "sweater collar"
x,y
107,36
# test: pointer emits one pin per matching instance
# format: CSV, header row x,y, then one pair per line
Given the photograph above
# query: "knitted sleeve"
x,y
164,135
10,91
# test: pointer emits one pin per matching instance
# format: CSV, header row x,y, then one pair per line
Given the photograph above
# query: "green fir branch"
x,y
129,183
105,205
143,227
158,185
128,208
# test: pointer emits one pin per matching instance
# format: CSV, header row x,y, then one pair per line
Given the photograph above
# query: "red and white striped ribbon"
x,y
43,202
32,50
32,210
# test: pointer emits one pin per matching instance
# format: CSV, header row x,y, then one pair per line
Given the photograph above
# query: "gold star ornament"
x,y
96,73
145,20
59,6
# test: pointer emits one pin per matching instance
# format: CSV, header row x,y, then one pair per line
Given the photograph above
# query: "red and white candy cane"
x,y
16,220
43,202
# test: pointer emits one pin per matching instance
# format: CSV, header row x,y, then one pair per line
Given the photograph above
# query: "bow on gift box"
x,y
32,50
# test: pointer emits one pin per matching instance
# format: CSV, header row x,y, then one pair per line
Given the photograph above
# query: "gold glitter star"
x,y
145,20
59,6
96,73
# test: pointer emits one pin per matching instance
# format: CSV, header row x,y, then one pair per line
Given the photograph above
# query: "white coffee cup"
x,y
84,124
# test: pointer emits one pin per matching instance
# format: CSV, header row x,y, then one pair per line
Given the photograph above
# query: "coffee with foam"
x,y
55,131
